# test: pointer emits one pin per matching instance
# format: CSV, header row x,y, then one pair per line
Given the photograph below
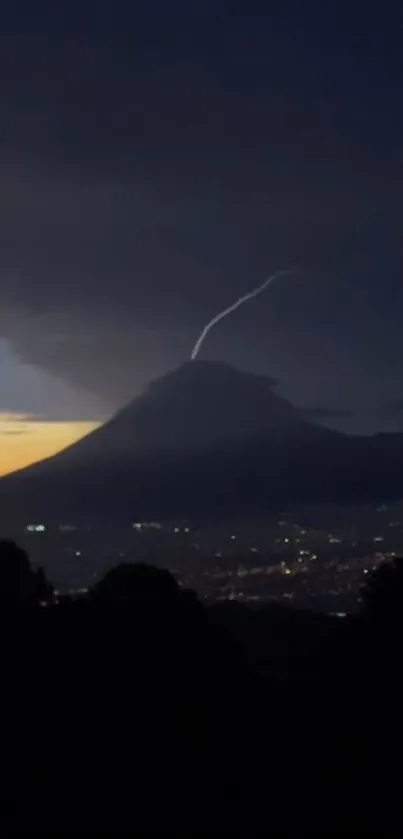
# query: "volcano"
x,y
205,438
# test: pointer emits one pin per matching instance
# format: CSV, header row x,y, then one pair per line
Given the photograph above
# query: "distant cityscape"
x,y
314,557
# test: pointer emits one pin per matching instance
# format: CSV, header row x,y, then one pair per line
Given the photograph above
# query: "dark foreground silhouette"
x,y
138,709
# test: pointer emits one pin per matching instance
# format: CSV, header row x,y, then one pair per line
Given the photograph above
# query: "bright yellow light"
x,y
24,442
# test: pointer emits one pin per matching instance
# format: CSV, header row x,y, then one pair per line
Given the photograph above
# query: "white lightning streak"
x,y
254,293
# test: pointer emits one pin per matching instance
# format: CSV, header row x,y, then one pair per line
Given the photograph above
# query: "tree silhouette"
x,y
383,591
43,588
20,586
129,583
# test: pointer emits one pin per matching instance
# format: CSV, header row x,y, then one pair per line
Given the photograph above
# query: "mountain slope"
x,y
205,438
202,404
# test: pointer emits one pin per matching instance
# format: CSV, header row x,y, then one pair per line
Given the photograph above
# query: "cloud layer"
x,y
156,164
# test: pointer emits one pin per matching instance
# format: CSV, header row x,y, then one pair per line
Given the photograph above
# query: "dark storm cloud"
x,y
393,407
326,413
159,159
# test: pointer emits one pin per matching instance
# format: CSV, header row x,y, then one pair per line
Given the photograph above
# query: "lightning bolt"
x,y
241,300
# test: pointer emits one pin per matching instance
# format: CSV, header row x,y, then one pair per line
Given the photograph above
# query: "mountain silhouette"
x,y
205,438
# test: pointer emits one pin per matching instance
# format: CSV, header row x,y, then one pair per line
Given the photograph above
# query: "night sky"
x,y
159,159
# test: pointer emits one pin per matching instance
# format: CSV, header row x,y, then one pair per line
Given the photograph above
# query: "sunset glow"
x,y
25,440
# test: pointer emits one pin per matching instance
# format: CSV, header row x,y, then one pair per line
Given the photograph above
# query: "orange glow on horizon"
x,y
24,441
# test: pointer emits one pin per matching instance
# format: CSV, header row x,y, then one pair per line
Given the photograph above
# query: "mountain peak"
x,y
199,406
204,437
206,403
199,370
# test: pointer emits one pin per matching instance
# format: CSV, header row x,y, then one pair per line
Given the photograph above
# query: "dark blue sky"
x,y
158,159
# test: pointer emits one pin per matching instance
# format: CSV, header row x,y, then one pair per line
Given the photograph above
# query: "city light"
x,y
325,572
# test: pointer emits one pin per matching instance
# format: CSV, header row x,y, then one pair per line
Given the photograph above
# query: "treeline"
x,y
137,709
